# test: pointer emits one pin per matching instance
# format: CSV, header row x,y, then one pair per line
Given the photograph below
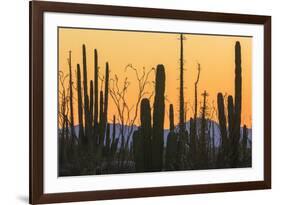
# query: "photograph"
x,y
148,101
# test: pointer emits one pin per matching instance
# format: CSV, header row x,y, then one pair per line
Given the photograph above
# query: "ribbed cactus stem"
x,y
145,115
158,119
237,106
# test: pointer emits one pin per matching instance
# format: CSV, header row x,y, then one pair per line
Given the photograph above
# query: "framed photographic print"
x,y
138,102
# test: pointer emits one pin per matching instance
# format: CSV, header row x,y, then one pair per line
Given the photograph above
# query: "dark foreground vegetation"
x,y
95,146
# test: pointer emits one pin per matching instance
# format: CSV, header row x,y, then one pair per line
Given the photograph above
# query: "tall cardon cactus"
x,y
158,119
238,97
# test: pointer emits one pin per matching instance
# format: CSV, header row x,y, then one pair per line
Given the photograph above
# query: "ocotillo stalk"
x,y
71,98
96,82
181,111
171,117
145,115
86,96
158,119
80,109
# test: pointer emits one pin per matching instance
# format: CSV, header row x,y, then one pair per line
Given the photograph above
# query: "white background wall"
x,y
14,100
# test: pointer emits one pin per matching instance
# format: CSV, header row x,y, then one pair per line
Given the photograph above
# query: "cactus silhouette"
x,y
171,117
222,123
146,133
230,111
158,119
181,141
96,99
138,151
86,96
171,148
91,102
203,159
80,109
222,118
101,131
193,144
237,117
181,111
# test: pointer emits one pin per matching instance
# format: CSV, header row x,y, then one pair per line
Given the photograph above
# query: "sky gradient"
x,y
146,49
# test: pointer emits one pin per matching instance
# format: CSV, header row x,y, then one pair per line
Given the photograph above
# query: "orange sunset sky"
x,y
146,49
